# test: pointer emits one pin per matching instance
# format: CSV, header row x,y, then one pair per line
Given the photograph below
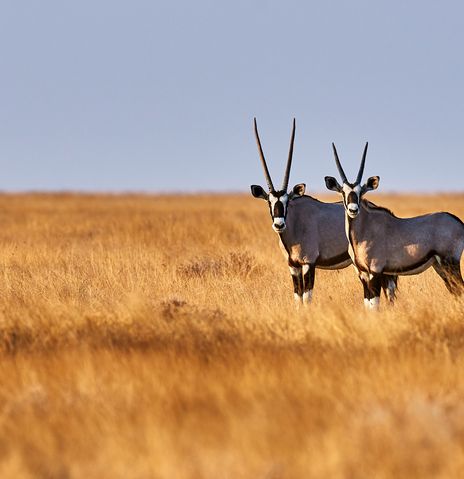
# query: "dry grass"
x,y
155,337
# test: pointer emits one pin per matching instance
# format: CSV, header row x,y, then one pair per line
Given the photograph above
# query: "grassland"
x,y
156,337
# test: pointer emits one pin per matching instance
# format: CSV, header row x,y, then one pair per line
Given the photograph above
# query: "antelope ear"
x,y
258,192
332,184
298,190
371,184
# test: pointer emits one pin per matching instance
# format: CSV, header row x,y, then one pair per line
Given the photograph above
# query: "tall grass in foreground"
x,y
155,337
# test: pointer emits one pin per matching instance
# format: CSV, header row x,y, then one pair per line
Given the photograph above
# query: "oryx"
x,y
311,233
383,244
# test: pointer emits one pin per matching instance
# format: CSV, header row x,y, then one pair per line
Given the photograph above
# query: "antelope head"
x,y
277,199
351,192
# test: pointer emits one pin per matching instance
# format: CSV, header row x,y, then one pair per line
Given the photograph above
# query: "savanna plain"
x,y
156,337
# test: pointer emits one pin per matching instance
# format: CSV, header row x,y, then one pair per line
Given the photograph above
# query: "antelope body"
x,y
313,238
311,233
382,244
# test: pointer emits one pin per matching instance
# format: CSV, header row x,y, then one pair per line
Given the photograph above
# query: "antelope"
x,y
382,244
310,232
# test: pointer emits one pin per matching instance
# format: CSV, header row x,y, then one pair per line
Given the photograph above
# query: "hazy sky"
x,y
160,96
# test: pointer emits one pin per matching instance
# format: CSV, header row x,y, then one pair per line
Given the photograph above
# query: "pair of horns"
x,y
340,169
263,160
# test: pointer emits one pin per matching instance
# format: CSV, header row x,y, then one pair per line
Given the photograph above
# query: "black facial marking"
x,y
279,209
352,198
270,210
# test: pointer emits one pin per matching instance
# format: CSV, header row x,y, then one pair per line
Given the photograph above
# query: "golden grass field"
x,y
156,337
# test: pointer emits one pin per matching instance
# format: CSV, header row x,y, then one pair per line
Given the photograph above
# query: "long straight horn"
x,y
289,161
361,168
339,166
263,161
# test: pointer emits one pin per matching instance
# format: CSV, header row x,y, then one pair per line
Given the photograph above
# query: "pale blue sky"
x,y
159,96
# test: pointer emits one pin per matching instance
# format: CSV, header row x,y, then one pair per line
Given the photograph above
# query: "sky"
x,y
159,96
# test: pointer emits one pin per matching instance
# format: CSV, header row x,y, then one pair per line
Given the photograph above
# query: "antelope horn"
x,y
289,161
339,166
361,168
263,160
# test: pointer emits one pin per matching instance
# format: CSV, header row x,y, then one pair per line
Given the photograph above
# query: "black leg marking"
x,y
297,278
309,272
375,285
390,286
297,284
367,293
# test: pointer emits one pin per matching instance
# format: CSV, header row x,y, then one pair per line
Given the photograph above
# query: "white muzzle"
x,y
353,210
278,225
